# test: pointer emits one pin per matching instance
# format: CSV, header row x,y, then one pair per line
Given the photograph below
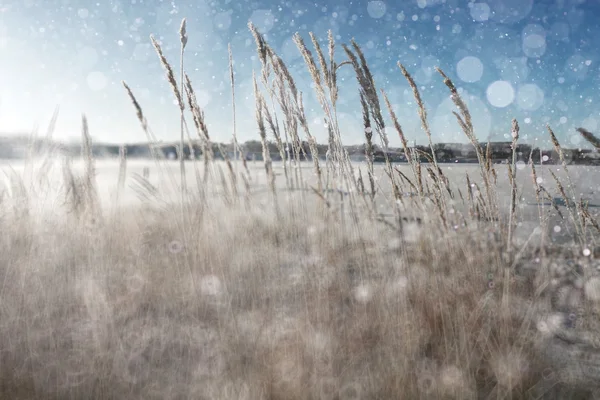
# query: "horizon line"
x,y
73,140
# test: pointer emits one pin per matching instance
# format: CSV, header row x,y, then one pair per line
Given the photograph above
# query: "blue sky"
x,y
533,60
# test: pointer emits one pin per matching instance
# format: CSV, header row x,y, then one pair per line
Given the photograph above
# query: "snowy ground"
x,y
166,180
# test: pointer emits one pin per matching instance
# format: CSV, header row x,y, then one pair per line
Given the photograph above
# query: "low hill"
x,y
21,146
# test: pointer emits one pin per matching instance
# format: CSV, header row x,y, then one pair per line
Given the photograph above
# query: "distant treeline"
x,y
253,150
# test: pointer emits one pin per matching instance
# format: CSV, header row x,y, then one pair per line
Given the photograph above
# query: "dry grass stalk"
x,y
324,65
329,70
312,69
236,146
418,173
586,213
148,193
338,161
590,137
407,179
231,170
489,164
122,167
513,182
169,71
284,75
74,198
466,124
422,111
262,50
550,199
49,148
260,107
198,114
287,99
201,128
290,130
368,88
270,61
312,143
143,121
183,41
274,127
470,196
361,185
438,195
371,92
170,75
248,190
51,127
315,73
291,150
232,176
194,157
398,127
157,156
569,203
410,157
338,155
333,67
368,144
19,196
425,125
89,169
538,190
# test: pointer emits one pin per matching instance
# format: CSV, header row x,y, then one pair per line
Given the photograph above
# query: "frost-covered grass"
x,y
235,301
280,282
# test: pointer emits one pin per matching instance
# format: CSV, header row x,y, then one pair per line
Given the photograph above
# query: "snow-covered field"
x,y
166,179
